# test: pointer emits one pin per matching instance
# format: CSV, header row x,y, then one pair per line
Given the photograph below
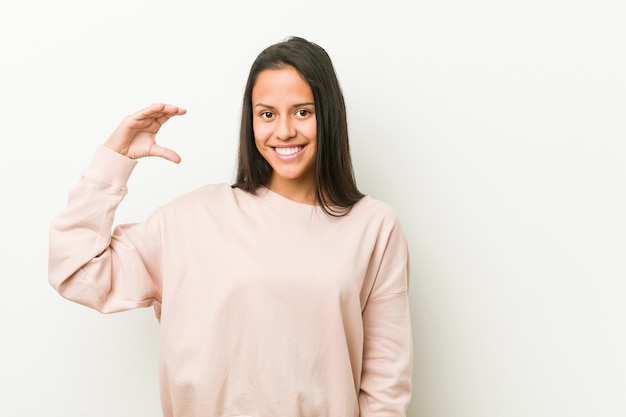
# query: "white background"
x,y
495,128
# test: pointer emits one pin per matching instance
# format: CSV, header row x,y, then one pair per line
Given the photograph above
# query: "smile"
x,y
288,151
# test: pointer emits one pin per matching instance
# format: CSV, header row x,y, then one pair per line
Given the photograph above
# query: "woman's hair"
x,y
335,185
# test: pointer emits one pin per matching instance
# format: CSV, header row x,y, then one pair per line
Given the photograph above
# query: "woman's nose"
x,y
285,129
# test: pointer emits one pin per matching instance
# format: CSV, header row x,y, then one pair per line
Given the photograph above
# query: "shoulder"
x,y
371,208
215,196
373,216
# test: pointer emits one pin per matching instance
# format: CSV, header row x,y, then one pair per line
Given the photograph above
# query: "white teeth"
x,y
288,151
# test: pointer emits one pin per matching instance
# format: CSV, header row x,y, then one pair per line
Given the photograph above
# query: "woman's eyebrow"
x,y
308,103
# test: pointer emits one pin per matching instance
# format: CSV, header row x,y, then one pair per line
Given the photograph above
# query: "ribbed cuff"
x,y
110,167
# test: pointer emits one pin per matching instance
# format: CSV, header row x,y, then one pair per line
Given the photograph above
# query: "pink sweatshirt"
x,y
267,307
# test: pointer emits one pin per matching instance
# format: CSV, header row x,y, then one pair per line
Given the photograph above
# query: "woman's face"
x,y
284,124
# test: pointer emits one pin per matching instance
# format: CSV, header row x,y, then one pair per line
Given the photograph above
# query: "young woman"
x,y
285,294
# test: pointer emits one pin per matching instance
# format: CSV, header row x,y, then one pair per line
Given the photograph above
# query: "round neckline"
x,y
283,202
279,201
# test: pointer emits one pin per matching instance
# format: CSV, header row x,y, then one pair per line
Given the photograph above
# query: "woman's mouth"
x,y
287,153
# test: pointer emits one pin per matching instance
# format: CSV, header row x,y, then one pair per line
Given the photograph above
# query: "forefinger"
x,y
160,112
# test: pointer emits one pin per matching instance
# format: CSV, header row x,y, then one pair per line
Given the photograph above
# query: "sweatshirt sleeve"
x,y
388,347
89,262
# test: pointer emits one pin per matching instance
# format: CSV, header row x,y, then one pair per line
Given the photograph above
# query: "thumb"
x,y
165,153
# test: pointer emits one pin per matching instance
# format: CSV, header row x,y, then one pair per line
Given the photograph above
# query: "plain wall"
x,y
495,128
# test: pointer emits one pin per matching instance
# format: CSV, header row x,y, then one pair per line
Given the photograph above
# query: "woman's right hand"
x,y
135,137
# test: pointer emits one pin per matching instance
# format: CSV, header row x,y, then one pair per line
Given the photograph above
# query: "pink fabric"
x,y
267,307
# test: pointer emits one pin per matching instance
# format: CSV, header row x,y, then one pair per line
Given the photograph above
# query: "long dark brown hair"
x,y
335,185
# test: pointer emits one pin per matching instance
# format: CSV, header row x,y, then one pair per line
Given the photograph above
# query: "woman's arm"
x,y
388,345
110,270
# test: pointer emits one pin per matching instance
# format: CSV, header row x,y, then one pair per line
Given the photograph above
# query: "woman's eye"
x,y
266,115
303,112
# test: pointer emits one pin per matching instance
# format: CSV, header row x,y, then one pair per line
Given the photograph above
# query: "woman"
x,y
285,294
